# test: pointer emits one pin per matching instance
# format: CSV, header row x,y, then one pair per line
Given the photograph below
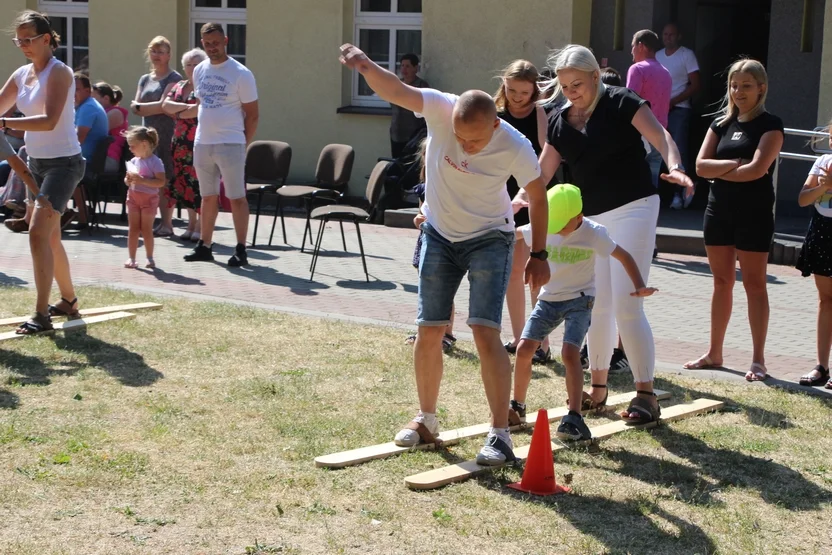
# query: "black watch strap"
x,y
540,255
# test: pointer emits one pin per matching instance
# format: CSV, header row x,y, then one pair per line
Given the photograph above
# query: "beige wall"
x,y
465,42
10,57
825,98
293,52
119,34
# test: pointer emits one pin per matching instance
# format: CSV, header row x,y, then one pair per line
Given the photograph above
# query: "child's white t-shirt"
x,y
465,195
824,204
572,260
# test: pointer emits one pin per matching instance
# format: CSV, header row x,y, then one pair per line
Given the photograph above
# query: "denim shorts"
x,y
57,178
548,315
222,161
442,265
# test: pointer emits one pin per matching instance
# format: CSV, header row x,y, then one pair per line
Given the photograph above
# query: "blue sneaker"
x,y
496,451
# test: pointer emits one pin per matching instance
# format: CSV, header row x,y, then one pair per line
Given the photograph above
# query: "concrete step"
x,y
784,250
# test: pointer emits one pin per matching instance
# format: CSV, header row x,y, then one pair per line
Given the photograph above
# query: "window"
x,y
385,30
70,19
231,14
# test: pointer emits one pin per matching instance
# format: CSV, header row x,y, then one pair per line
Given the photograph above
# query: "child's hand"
x,y
419,220
131,177
644,292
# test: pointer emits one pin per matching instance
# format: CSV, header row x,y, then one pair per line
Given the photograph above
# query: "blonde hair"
x,y
522,70
155,43
140,133
728,111
194,53
571,56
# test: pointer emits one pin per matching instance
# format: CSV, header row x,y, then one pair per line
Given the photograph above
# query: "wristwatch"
x,y
540,255
679,167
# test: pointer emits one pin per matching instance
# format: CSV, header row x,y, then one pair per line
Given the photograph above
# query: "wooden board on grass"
x,y
450,437
439,477
17,320
75,324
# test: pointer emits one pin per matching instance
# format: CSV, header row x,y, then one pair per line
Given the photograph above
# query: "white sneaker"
x,y
689,199
408,437
496,451
677,202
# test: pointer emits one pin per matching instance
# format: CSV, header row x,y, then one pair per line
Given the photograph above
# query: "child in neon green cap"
x,y
571,245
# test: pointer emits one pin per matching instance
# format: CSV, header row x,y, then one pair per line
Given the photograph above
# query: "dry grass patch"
x,y
193,429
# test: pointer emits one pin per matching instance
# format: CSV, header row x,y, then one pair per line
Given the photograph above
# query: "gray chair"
x,y
267,166
343,213
332,176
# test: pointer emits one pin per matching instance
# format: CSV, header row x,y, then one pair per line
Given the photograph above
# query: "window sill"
x,y
364,110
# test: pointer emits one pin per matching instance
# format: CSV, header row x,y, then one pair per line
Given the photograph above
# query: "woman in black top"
x,y
598,133
738,154
516,104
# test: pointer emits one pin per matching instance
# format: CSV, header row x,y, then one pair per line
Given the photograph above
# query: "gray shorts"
x,y
225,161
57,178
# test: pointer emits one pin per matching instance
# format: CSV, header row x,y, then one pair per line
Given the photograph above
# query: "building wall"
x,y
118,48
794,84
11,58
825,42
466,42
638,15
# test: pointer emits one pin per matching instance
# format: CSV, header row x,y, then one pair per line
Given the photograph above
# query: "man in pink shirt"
x,y
651,81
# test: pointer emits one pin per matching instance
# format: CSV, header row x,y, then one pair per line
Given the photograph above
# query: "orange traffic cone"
x,y
539,475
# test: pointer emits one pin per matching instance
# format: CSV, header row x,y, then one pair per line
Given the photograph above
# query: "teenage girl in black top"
x,y
739,154
516,101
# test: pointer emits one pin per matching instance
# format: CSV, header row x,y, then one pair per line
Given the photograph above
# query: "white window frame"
x,y
224,15
390,21
68,9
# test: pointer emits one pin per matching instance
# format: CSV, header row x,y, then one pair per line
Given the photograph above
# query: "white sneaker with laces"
x,y
409,437
498,449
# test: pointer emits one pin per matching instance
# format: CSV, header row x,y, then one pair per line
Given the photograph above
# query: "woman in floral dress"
x,y
181,104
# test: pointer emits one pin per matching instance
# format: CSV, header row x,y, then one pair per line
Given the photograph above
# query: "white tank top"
x,y
31,100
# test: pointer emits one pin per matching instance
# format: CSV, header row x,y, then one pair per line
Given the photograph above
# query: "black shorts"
x,y
747,226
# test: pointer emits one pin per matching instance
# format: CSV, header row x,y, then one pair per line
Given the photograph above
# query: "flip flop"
x,y
759,376
702,363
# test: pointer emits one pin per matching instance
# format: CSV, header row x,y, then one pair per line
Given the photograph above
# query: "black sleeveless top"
x,y
528,127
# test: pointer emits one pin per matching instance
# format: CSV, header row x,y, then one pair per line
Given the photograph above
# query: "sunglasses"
x,y
27,41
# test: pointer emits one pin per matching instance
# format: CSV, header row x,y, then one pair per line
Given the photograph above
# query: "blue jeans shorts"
x,y
442,265
57,178
546,316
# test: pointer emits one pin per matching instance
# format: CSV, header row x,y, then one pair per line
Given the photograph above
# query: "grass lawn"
x,y
193,429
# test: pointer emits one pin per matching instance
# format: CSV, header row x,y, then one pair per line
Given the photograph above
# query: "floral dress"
x,y
184,187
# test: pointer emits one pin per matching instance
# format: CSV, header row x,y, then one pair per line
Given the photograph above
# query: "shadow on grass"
x,y
11,281
127,367
29,370
8,400
629,526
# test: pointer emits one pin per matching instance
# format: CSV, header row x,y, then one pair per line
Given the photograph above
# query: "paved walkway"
x,y
278,278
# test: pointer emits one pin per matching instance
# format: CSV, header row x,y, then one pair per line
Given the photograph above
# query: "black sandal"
x,y
541,356
38,323
590,404
71,313
644,408
448,341
812,381
511,348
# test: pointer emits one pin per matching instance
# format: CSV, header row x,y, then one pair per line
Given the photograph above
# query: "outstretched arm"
x,y
385,84
632,270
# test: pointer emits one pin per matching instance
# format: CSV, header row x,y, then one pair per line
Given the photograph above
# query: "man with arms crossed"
x,y
228,113
469,229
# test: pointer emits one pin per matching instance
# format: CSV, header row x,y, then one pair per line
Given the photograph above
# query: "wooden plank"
x,y
17,320
439,477
449,437
75,324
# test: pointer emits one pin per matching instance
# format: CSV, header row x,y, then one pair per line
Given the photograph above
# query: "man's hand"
x,y
419,220
680,178
536,273
354,58
644,292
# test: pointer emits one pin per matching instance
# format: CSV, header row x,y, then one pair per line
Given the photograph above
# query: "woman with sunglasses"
x,y
44,91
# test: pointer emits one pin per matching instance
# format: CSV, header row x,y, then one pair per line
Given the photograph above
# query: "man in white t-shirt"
x,y
228,113
684,71
469,229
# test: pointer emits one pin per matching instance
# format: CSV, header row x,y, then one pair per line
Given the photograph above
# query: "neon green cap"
x,y
564,204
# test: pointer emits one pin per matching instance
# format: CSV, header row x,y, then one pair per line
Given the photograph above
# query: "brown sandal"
x,y
590,404
71,314
644,408
38,323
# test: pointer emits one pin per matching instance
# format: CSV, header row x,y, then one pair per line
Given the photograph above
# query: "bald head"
x,y
474,107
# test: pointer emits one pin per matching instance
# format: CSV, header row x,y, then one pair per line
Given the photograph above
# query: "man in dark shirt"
x,y
404,124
